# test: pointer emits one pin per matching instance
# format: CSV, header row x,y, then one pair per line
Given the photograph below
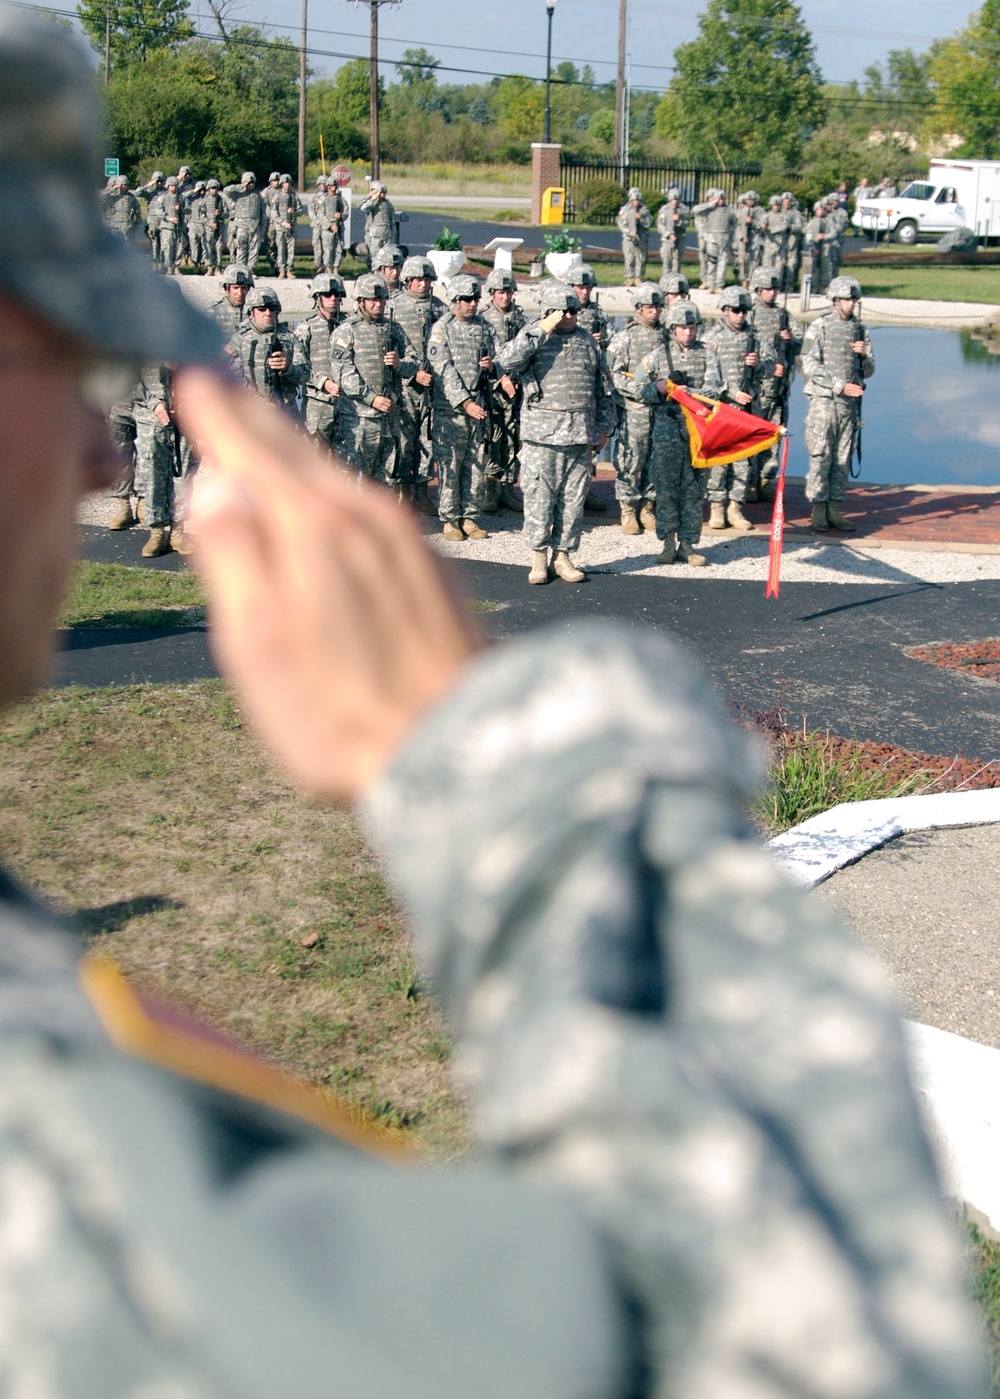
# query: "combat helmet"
x,y
377,187
248,178
463,286
387,256
844,288
557,296
683,313
237,274
213,183
646,294
582,275
157,175
327,284
183,170
321,180
671,192
260,299
274,176
634,193
200,185
765,279
735,299
283,178
171,180
371,287
415,267
775,200
501,280
675,284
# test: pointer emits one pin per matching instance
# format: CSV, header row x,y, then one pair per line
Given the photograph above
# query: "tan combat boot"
x,y
736,517
685,554
123,517
836,519
491,496
669,552
452,532
630,525
472,530
156,544
717,515
422,502
647,515
180,542
819,522
564,569
539,566
509,501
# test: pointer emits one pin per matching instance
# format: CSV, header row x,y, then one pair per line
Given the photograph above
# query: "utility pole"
x,y
302,95
550,6
107,43
374,6
621,101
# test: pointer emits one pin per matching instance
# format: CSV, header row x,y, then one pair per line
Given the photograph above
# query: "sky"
x,y
508,36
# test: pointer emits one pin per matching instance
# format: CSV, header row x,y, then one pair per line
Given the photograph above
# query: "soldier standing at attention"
x,y
321,235
286,207
269,195
157,456
683,359
415,309
248,220
719,227
461,351
773,325
315,336
336,215
567,412
185,188
229,310
213,221
195,225
671,223
817,231
265,353
634,223
506,320
675,287
380,219
120,208
634,487
171,216
370,353
793,242
837,358
838,221
743,363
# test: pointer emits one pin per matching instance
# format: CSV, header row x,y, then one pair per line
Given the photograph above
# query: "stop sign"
x,y
341,174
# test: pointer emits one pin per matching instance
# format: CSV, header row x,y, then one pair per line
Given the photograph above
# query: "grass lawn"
x,y
114,595
930,283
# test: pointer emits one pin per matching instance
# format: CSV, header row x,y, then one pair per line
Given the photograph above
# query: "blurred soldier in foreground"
x,y
229,310
701,1171
506,320
266,355
634,222
461,350
415,309
837,358
372,353
566,412
315,336
671,221
634,487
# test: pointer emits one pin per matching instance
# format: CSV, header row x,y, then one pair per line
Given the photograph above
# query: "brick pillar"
x,y
544,174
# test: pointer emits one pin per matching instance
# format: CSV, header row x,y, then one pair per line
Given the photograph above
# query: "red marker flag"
x,y
718,432
777,529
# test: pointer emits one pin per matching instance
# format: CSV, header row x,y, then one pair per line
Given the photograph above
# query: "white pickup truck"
x,y
956,194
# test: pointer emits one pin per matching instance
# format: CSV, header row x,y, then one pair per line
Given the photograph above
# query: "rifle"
x,y
167,380
272,379
746,381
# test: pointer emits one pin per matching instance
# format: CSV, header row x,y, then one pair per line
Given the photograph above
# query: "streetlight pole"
x,y
621,109
550,6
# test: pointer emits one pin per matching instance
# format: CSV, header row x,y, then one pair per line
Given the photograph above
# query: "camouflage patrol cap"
x,y
464,285
248,178
79,277
843,289
370,287
735,299
262,298
765,279
501,280
328,284
647,294
415,267
557,296
683,313
388,256
237,274
582,275
675,284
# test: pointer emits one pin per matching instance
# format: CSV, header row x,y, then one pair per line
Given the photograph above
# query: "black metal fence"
x,y
581,179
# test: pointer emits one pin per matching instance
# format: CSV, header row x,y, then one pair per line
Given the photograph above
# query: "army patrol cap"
x,y
844,289
765,279
371,287
557,296
583,275
388,256
683,313
501,280
237,273
735,299
262,298
79,277
328,284
464,286
415,267
675,284
647,294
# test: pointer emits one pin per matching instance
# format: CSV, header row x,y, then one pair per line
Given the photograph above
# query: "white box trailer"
x,y
955,194
977,184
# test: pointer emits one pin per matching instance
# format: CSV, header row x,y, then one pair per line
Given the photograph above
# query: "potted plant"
x,y
562,251
446,255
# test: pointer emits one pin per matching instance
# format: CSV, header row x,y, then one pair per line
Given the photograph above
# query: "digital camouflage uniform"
x,y
774,240
249,351
213,222
838,221
153,222
671,223
366,438
121,426
828,363
594,320
748,235
195,224
730,482
816,236
718,228
121,212
415,456
634,225
566,406
501,461
775,393
454,349
380,224
286,211
228,317
170,214
324,208
633,476
158,448
315,336
247,222
679,487
793,246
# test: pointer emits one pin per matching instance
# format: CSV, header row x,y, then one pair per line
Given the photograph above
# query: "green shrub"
x,y
562,243
598,201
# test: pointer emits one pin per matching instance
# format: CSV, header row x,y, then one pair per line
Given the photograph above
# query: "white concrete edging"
x,y
957,1080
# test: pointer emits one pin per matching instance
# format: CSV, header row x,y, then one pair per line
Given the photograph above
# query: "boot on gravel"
x,y
630,525
156,544
669,552
685,554
539,566
123,517
491,496
453,533
819,521
647,515
564,569
592,501
838,520
717,515
736,517
472,530
422,503
509,501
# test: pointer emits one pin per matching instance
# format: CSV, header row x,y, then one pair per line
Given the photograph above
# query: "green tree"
x,y
898,95
748,85
566,72
602,127
965,77
417,66
138,27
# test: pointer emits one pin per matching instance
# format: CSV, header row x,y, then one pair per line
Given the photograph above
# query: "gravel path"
x,y
926,906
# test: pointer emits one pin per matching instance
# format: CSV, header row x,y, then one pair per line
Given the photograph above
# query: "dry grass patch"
x,y
155,816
